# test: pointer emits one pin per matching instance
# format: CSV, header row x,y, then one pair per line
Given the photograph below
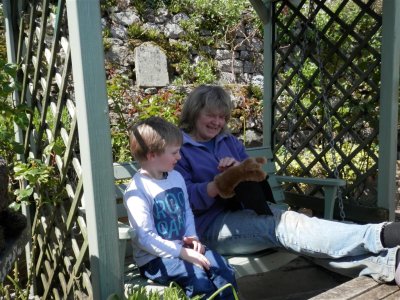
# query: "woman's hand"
x,y
226,162
195,258
194,244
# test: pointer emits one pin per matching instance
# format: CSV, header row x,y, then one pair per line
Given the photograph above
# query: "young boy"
x,y
166,246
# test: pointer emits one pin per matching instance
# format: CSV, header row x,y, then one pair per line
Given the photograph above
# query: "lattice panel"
x,y
327,75
60,247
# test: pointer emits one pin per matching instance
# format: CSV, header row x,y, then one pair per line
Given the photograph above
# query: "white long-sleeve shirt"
x,y
160,213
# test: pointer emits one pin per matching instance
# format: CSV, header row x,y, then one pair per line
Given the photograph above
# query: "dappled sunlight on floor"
x,y
298,280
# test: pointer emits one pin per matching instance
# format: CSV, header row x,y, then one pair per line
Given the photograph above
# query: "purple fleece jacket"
x,y
198,167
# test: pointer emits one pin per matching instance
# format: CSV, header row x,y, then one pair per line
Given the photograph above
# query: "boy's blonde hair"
x,y
152,135
209,97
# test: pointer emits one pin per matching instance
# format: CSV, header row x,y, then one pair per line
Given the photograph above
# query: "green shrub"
x,y
10,113
166,104
116,90
135,31
204,72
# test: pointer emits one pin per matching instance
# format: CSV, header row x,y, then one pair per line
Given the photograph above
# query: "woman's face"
x,y
208,125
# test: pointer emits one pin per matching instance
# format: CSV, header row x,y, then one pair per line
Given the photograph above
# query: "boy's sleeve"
x,y
141,219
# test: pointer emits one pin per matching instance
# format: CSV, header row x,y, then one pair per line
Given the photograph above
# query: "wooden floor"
x,y
298,280
362,288
302,280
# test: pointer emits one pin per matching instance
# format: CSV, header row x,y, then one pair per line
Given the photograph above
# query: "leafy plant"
x,y
172,292
10,113
166,104
204,72
36,174
116,90
255,91
31,174
105,4
135,31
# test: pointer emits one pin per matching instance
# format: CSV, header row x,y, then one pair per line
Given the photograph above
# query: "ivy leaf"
x,y
15,206
24,193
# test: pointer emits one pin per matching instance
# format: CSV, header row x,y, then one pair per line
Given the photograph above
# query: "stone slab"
x,y
151,66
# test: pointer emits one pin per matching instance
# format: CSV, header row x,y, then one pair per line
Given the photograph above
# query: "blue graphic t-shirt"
x,y
169,214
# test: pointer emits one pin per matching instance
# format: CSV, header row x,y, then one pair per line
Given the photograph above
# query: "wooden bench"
x,y
244,265
361,288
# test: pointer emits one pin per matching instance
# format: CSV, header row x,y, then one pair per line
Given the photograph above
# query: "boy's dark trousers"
x,y
192,279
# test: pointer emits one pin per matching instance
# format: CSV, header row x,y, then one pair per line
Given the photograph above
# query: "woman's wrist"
x,y
212,189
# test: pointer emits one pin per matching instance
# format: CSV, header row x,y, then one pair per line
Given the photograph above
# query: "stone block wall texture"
x,y
237,62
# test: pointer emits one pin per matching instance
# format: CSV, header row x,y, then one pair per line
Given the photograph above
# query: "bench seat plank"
x,y
349,289
361,288
260,263
381,291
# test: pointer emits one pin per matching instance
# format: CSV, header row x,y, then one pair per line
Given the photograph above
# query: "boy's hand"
x,y
195,258
194,243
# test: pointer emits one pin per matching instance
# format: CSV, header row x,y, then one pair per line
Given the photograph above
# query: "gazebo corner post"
x,y
389,97
268,79
263,9
88,71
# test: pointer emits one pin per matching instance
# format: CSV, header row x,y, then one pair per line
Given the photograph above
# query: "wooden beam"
x,y
355,213
95,144
389,97
350,290
262,9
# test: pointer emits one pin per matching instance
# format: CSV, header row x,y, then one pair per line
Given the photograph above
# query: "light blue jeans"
x,y
347,248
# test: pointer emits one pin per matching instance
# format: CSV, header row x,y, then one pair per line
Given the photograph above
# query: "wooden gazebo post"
x,y
389,101
95,144
263,10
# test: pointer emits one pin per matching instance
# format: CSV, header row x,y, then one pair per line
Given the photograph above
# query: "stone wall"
x,y
239,61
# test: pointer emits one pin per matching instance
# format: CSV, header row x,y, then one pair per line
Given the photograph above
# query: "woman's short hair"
x,y
153,135
210,97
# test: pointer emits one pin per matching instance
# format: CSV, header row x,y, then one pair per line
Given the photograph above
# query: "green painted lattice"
x,y
326,97
59,247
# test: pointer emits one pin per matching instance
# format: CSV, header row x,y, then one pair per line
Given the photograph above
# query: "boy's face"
x,y
167,160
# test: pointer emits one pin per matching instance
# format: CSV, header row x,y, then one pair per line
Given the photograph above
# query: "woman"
x,y
209,149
